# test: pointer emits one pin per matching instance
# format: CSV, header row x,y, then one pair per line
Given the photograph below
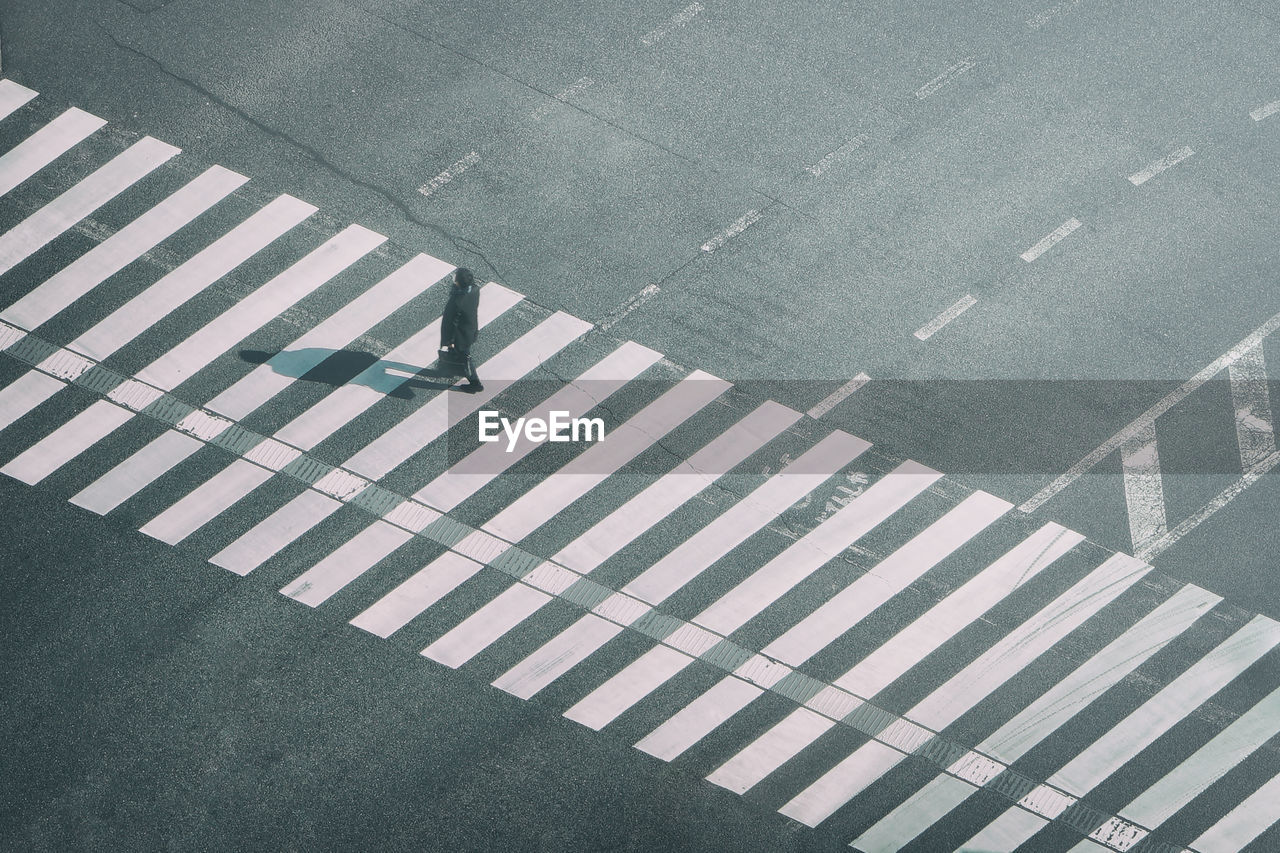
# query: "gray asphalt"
x,y
137,728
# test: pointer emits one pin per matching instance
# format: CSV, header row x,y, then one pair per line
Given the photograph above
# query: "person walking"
x,y
460,325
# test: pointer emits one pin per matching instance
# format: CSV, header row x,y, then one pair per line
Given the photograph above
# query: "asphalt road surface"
x,y
932,347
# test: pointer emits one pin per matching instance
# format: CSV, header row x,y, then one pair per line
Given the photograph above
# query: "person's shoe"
x,y
475,386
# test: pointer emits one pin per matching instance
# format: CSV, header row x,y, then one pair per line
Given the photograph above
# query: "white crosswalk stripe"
x,y
1044,716
488,461
204,346
267,380
122,248
193,276
40,228
45,145
593,466
13,96
432,420
517,626
966,688
894,574
613,532
325,418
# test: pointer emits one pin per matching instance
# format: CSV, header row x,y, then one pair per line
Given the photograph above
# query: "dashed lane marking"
x,y
678,20
632,302
1054,237
1148,417
1140,178
742,224
962,305
449,174
1267,110
578,85
838,154
944,78
838,396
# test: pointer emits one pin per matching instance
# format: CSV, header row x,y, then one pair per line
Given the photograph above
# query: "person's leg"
x,y
473,379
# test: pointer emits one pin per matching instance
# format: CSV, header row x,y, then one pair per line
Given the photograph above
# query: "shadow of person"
x,y
346,367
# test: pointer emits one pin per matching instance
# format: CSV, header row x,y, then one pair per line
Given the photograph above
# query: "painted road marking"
x,y
275,531
909,646
45,145
352,559
52,452
1035,22
1148,417
944,78
697,719
428,423
1054,237
632,302
816,548
723,453
1223,498
742,224
557,656
12,96
1140,178
677,20
1098,674
355,318
590,468
770,751
838,154
962,305
636,681
838,396
204,504
258,308
1251,400
643,511
122,248
1006,832
1115,748
971,685
1143,488
579,85
923,809
1209,763
449,174
130,476
175,288
25,393
40,228
1264,111
769,500
616,530
891,576
427,586
488,461
484,627
345,404
1244,823
532,349
243,318
1043,717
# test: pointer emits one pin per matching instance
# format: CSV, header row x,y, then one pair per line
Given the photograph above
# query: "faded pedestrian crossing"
x,y
923,666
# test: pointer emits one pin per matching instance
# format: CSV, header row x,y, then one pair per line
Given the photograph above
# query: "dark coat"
x,y
459,325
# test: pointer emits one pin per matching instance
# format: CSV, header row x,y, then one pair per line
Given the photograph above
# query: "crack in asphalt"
x,y
462,244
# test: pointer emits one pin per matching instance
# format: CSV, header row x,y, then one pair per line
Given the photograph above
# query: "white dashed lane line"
x,y
1055,237
1140,178
962,305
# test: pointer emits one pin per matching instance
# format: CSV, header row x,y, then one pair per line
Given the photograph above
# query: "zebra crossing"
x,y
672,531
